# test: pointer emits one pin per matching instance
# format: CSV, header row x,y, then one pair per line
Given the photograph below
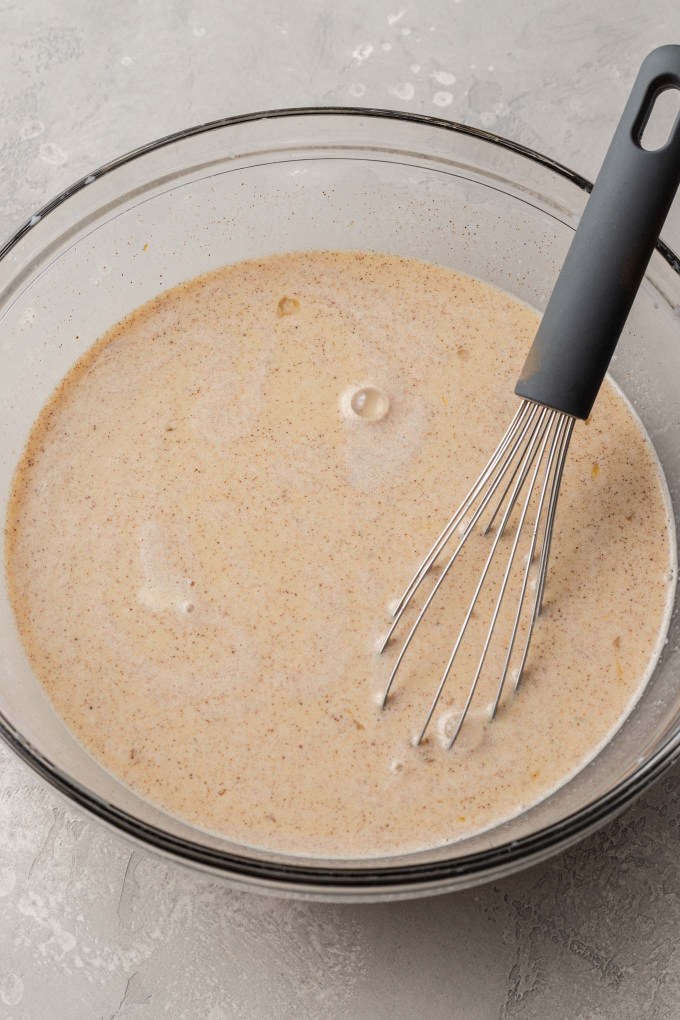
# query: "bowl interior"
x,y
338,180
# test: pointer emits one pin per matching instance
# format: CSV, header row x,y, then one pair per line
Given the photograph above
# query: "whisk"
x,y
560,380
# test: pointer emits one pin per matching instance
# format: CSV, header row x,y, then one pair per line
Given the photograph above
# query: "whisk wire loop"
x,y
560,430
506,576
534,446
448,532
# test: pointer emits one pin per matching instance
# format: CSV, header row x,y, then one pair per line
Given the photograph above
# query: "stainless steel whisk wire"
x,y
536,436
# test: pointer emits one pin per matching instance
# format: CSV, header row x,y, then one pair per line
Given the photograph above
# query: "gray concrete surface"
x,y
91,929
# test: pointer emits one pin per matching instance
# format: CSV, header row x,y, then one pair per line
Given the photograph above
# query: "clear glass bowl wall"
x,y
339,179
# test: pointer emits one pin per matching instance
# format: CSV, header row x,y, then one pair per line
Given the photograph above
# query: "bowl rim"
x,y
365,878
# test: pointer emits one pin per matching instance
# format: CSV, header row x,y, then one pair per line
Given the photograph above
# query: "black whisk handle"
x,y
609,254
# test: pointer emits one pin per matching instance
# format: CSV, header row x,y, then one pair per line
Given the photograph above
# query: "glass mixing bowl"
x,y
298,179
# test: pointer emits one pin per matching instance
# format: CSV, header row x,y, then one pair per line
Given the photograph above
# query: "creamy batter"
x,y
205,535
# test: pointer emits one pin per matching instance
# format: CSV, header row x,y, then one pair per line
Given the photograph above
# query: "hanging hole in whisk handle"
x,y
661,118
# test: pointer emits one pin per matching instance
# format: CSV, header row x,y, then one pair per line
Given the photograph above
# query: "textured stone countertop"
x,y
90,928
